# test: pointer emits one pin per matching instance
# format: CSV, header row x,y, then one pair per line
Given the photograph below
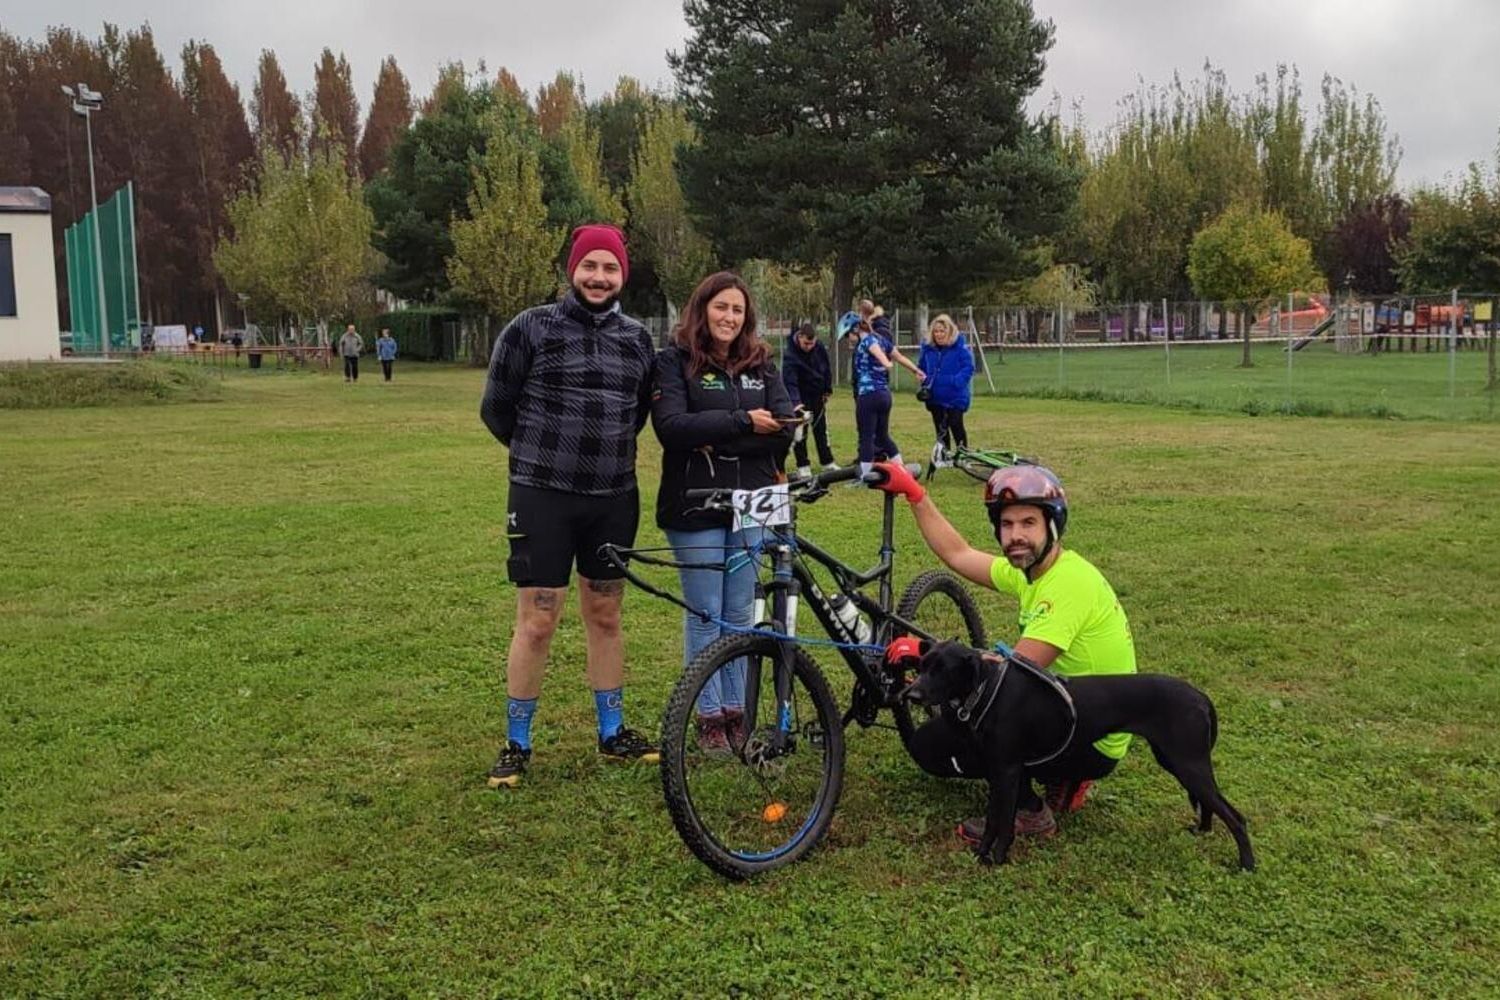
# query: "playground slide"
x,y
1317,332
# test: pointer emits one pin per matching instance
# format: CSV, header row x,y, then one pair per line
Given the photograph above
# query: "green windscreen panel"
x,y
115,256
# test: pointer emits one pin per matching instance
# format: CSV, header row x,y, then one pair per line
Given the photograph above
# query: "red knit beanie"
x,y
587,239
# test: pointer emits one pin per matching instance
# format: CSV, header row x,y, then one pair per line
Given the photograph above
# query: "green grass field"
x,y
1322,382
250,682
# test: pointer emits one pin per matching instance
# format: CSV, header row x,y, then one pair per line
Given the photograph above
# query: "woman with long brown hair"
x,y
719,408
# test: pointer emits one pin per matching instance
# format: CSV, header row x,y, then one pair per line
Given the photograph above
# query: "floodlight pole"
x,y
85,103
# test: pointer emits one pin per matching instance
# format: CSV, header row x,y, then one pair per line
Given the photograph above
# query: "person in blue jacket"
x,y
808,375
949,366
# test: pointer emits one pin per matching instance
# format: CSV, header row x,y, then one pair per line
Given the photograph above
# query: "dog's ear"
x,y
924,647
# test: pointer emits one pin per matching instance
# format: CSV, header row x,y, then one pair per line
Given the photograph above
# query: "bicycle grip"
x,y
875,476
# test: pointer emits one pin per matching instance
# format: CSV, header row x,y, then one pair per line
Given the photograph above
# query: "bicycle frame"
x,y
791,579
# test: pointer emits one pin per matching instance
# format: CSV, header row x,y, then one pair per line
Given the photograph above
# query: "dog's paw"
x,y
983,857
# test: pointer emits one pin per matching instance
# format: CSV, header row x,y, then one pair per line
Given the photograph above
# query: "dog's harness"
x,y
972,714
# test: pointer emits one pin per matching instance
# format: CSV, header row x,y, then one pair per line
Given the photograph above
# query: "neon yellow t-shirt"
x,y
1075,609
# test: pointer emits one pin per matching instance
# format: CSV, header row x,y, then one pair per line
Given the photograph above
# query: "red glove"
x,y
899,482
905,648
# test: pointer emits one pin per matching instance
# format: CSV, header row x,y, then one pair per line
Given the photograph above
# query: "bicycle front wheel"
x,y
767,799
977,465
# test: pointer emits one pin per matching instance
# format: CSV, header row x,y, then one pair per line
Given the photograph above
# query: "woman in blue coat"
x,y
949,366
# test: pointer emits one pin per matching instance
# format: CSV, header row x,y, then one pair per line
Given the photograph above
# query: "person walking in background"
x,y
718,407
567,393
808,375
350,346
949,366
385,350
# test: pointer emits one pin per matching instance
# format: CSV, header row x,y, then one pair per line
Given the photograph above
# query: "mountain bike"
x,y
768,799
977,463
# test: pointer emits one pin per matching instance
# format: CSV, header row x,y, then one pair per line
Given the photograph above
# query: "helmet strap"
x,y
1041,556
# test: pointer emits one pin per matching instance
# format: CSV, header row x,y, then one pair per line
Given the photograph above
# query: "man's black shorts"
x,y
549,531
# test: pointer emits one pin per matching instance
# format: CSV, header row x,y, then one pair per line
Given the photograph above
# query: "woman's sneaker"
x,y
627,745
712,739
509,766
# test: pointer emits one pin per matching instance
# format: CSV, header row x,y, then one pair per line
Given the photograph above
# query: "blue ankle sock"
x,y
611,708
518,718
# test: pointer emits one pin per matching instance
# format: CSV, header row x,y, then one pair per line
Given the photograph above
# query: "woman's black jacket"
x,y
707,438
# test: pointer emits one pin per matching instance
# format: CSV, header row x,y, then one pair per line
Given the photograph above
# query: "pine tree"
x,y
275,110
335,110
425,186
876,134
390,116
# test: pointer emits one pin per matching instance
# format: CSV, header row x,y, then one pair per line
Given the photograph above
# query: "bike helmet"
x,y
847,322
1029,486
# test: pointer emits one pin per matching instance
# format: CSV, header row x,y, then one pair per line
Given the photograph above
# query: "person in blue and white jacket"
x,y
949,366
385,350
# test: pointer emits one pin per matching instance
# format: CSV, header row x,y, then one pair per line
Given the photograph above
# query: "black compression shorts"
x,y
550,531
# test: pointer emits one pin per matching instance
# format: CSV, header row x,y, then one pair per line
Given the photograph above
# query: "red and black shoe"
x,y
1068,796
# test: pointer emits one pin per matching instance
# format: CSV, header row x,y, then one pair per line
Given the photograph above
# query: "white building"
x,y
28,280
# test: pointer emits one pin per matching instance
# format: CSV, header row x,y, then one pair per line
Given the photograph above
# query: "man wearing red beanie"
x,y
567,393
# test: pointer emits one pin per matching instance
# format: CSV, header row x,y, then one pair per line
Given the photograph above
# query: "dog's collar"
x,y
985,691
989,689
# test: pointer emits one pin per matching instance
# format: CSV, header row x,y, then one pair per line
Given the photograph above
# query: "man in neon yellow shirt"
x,y
1070,619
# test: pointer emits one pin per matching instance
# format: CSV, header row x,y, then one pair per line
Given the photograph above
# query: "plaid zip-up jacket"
x,y
568,391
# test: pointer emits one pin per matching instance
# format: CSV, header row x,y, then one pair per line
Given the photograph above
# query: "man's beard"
x,y
612,293
1022,554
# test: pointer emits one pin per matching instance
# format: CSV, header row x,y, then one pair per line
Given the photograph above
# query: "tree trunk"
x,y
843,284
1245,317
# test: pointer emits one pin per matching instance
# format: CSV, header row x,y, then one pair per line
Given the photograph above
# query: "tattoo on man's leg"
x,y
607,587
544,600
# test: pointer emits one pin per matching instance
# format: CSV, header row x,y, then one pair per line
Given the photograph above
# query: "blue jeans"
x,y
728,595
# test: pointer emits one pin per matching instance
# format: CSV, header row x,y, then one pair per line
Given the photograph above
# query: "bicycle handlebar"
x,y
813,485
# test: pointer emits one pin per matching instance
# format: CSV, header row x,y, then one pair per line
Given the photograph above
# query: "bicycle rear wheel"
x,y
938,604
768,801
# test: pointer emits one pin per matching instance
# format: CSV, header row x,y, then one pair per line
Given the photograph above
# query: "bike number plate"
x,y
767,507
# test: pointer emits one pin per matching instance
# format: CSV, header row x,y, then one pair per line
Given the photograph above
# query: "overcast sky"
x,y
1434,65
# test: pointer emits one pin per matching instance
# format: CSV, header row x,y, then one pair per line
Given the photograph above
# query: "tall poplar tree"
x,y
223,149
659,221
390,116
275,110
335,110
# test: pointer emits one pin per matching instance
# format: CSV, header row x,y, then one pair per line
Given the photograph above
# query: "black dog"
x,y
1019,714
